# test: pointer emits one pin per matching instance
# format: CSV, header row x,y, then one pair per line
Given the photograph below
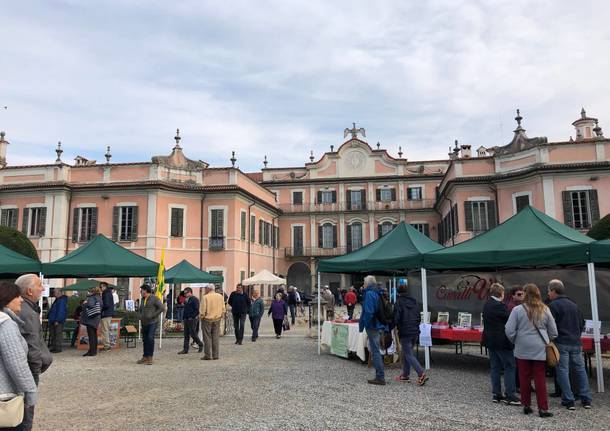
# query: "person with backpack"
x,y
407,319
373,320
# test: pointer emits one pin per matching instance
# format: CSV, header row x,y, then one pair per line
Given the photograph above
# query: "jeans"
x,y
179,313
148,339
350,311
571,360
239,321
255,322
373,335
293,310
408,358
502,360
537,369
190,331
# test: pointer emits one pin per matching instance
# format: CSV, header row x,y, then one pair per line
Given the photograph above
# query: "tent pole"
x,y
319,286
599,367
161,333
41,276
424,296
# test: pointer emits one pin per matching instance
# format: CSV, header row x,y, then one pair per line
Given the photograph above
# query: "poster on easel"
x,y
82,340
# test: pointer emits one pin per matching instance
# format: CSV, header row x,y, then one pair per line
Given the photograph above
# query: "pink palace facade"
x,y
233,223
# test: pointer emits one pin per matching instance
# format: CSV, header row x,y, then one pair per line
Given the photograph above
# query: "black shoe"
x,y
545,414
376,382
586,405
254,340
206,358
55,351
569,405
183,352
236,342
239,343
497,398
555,395
512,401
527,410
200,349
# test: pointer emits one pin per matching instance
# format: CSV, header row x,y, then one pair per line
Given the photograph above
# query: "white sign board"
x,y
130,305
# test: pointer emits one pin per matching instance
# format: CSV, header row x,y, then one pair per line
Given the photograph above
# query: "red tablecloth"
x,y
587,344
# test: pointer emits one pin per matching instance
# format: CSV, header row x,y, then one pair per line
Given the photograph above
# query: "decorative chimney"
x,y
233,159
455,153
400,152
585,126
466,151
58,151
265,161
332,148
108,155
481,151
311,157
3,148
177,138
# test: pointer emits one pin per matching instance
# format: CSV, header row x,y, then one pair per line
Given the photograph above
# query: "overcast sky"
x,y
282,78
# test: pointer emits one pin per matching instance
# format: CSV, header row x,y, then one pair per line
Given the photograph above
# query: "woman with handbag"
x,y
91,317
278,310
17,388
531,328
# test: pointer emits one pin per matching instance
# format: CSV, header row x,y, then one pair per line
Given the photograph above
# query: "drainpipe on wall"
x,y
450,209
68,235
201,234
249,237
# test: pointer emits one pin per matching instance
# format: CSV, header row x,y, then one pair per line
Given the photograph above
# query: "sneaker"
x,y
512,401
200,349
183,352
568,405
422,379
586,405
376,382
149,360
401,378
497,398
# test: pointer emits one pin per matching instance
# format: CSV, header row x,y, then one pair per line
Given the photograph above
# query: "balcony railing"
x,y
359,206
314,251
217,243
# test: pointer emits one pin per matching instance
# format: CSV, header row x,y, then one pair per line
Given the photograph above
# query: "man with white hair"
x,y
39,357
370,323
211,310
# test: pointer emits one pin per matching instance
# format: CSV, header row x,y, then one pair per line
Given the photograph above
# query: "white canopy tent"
x,y
264,277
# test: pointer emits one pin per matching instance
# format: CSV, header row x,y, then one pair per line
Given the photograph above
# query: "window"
x,y
521,202
384,228
354,236
243,225
422,227
268,234
242,276
297,198
448,227
9,217
84,224
177,222
385,195
34,221
218,226
297,240
327,236
356,199
327,197
218,285
125,223
414,193
580,208
480,216
252,228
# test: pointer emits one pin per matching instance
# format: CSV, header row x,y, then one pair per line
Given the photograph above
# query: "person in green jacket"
x,y
257,308
151,308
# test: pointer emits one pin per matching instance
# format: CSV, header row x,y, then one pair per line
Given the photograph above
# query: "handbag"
x,y
552,352
286,324
11,410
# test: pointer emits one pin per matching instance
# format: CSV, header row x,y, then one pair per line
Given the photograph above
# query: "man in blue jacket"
x,y
569,326
107,312
57,318
373,327
190,319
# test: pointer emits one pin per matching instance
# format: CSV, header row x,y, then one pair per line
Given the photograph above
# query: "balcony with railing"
x,y
291,252
217,243
418,204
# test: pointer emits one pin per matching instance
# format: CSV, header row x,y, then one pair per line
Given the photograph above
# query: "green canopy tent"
x,y
185,272
399,250
84,285
529,239
13,263
600,251
100,257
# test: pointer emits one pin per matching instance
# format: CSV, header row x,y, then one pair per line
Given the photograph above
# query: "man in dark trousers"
x,y
190,319
240,307
292,304
39,357
501,357
569,326
57,317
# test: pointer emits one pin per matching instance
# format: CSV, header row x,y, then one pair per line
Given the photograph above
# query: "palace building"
x,y
285,219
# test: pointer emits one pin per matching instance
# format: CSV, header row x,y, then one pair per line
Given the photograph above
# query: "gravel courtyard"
x,y
279,385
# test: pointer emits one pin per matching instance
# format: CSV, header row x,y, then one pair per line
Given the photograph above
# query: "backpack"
x,y
385,310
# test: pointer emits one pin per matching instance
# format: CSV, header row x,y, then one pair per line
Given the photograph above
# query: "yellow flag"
x,y
161,277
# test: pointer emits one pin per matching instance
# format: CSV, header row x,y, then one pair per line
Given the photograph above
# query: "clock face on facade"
x,y
356,160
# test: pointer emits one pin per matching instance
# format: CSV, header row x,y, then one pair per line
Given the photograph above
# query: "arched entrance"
x,y
299,275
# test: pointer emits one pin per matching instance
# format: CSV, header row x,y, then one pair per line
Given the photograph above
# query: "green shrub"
x,y
601,229
18,242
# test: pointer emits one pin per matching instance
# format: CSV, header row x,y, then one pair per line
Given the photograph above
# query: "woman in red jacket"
x,y
350,300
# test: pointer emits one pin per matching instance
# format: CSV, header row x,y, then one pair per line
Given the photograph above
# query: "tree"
x,y
18,242
601,229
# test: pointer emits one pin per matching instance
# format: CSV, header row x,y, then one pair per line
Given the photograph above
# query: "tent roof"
x,y
600,251
529,238
399,250
185,272
263,277
13,263
101,257
85,285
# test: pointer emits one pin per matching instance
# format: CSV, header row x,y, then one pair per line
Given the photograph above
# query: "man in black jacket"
x,y
107,312
190,320
240,307
569,326
495,316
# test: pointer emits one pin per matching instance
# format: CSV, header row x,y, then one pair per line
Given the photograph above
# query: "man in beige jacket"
x,y
211,310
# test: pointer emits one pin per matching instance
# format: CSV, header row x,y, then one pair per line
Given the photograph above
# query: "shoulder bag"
x,y
11,410
552,352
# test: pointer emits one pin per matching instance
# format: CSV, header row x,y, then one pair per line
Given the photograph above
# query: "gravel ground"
x,y
279,385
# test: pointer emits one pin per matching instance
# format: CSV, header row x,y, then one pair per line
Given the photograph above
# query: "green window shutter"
x,y
348,199
363,198
393,195
594,205
13,223
25,221
568,218
320,236
4,219
173,222
252,228
335,236
134,225
468,215
334,196
221,223
93,225
260,231
378,195
243,226
492,219
319,196
379,231
75,212
115,223
349,238
42,223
